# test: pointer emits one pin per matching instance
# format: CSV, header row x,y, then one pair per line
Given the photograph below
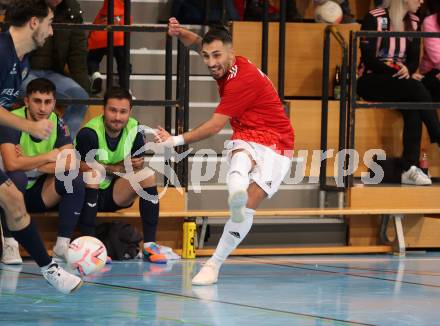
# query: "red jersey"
x,y
257,114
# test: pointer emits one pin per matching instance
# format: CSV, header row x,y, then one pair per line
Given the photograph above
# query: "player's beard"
x,y
219,72
39,39
112,128
36,117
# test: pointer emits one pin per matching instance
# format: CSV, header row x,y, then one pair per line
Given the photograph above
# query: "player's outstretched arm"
x,y
40,129
189,39
205,130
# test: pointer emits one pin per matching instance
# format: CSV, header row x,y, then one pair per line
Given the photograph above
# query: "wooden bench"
x,y
374,129
205,217
170,231
365,201
216,217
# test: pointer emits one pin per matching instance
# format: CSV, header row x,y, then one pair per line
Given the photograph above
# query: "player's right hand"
x,y
174,27
41,129
53,155
163,137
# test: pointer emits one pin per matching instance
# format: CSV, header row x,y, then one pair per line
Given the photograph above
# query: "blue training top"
x,y
12,71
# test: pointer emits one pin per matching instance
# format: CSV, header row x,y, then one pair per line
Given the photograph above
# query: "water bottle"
x,y
423,163
189,235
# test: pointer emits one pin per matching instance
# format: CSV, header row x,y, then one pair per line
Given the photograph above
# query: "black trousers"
x,y
95,57
385,88
433,84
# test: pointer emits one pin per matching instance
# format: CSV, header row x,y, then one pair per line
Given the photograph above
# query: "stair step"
x,y
146,61
149,87
142,11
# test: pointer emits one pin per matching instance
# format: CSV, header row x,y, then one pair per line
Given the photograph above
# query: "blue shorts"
x,y
34,200
105,199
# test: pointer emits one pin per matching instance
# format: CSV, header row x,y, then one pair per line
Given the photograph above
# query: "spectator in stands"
x,y
386,70
193,11
97,44
348,17
430,64
67,49
253,10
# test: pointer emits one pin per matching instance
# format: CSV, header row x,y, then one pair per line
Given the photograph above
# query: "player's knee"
x,y
20,179
78,186
78,183
17,217
91,178
149,181
241,163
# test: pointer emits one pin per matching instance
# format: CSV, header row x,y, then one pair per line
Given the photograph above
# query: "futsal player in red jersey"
x,y
259,152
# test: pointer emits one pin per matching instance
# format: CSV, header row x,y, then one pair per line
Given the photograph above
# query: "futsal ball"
x,y
329,12
87,255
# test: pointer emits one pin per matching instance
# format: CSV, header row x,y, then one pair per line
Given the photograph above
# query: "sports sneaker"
x,y
207,275
62,280
152,253
11,252
415,176
96,82
237,203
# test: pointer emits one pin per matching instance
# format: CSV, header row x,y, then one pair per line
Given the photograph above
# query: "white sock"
x,y
10,241
147,244
233,235
62,242
238,175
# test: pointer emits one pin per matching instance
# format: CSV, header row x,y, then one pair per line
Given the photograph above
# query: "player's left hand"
x,y
174,28
137,163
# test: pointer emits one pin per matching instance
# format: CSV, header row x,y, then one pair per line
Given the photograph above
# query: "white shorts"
x,y
270,169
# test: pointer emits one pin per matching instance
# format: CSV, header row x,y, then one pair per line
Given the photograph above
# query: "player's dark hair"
x,y
41,85
119,93
19,12
217,33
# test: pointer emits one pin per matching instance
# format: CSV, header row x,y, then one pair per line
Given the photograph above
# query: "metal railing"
x,y
181,101
333,31
281,43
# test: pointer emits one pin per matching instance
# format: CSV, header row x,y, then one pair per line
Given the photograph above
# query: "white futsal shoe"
x,y
237,204
11,252
208,275
61,280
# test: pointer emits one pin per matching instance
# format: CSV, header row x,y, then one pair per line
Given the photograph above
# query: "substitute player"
x,y
30,25
262,141
115,135
34,162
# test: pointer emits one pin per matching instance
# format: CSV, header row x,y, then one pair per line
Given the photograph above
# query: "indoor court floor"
x,y
277,290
